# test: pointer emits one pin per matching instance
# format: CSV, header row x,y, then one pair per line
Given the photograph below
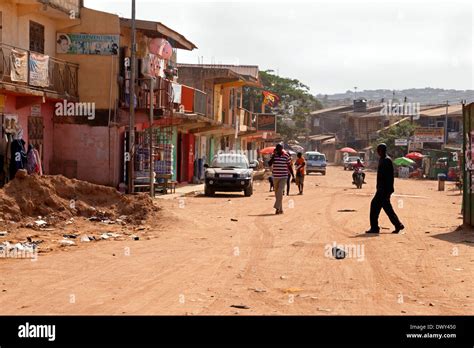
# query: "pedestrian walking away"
x,y
281,168
381,200
300,167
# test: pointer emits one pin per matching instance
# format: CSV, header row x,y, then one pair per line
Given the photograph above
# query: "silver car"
x,y
315,162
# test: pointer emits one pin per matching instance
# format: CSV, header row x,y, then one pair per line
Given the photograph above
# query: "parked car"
x,y
229,173
350,161
315,162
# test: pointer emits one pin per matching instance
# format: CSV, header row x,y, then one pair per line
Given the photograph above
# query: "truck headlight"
x,y
244,175
210,175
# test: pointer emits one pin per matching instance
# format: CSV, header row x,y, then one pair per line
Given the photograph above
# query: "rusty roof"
x,y
157,29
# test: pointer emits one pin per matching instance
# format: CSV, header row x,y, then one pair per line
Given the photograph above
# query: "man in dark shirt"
x,y
384,191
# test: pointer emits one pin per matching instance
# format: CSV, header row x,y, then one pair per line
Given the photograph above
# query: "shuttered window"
x,y
36,37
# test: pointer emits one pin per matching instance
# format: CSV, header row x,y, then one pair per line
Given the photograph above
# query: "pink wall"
x,y
98,160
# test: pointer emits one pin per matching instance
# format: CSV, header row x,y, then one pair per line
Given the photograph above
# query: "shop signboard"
x,y
413,146
429,134
93,44
266,122
401,142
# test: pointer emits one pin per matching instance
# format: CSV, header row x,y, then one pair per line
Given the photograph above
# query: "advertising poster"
x,y
71,43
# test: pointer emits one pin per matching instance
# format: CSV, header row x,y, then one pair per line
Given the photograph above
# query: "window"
x,y
36,37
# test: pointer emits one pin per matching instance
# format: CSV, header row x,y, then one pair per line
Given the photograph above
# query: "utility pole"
x,y
131,85
446,124
152,169
355,93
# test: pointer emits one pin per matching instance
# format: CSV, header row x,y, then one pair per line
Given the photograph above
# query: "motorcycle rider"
x,y
358,167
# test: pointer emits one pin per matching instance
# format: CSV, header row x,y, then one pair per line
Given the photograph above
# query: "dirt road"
x,y
203,262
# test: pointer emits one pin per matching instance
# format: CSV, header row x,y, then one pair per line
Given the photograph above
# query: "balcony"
x,y
168,97
246,119
62,75
193,100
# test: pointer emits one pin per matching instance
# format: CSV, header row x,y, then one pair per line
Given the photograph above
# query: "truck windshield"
x,y
230,161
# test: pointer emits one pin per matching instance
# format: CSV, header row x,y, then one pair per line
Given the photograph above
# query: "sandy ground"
x,y
197,260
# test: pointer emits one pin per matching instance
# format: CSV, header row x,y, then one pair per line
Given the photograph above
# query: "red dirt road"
x,y
199,261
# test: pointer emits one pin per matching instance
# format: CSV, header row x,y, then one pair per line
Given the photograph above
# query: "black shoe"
x,y
398,228
372,231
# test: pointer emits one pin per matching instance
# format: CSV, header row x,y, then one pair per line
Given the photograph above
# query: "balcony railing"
x,y
62,75
162,94
246,119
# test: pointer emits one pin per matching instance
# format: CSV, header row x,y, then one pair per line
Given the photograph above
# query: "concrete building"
x,y
33,77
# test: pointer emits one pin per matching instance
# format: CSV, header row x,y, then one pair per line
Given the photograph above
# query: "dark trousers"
x,y
288,180
382,201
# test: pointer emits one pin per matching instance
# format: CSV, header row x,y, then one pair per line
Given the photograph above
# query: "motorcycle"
x,y
359,179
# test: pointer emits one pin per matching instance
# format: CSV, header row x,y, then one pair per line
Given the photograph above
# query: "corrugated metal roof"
x,y
335,108
157,29
247,70
441,111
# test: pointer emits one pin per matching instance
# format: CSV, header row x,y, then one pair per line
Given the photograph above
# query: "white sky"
x,y
330,45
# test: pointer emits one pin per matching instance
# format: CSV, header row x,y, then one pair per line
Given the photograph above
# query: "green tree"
x,y
296,102
402,130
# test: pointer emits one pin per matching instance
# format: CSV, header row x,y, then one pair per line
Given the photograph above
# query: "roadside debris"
x,y
66,242
339,254
85,239
346,210
257,290
240,306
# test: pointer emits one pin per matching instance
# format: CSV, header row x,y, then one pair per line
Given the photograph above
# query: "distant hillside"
x,y
424,96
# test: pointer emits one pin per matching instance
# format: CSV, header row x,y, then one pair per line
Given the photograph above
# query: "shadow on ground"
x,y
460,235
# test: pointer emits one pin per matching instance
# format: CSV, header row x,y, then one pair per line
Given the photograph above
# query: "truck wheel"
x,y
208,192
248,191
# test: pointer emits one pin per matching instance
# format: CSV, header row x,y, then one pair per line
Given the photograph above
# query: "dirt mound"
x,y
63,198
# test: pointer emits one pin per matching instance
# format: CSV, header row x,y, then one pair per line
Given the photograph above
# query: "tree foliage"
x,y
402,130
296,102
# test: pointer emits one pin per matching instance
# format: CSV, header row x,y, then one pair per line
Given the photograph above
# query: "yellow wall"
x,y
16,27
96,73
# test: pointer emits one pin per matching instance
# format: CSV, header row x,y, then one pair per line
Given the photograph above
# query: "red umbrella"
x,y
414,156
267,150
348,149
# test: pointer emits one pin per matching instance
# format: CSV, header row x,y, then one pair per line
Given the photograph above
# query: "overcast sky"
x,y
331,46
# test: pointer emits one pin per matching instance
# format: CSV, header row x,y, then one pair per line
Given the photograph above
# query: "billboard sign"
x,y
429,135
266,122
401,142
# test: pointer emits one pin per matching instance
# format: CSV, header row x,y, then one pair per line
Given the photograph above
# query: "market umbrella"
x,y
267,150
414,156
403,161
348,149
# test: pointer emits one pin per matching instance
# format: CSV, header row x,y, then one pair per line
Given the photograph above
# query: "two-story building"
x,y
234,127
33,76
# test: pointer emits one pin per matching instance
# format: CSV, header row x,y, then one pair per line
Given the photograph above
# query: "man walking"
x,y
281,168
384,191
